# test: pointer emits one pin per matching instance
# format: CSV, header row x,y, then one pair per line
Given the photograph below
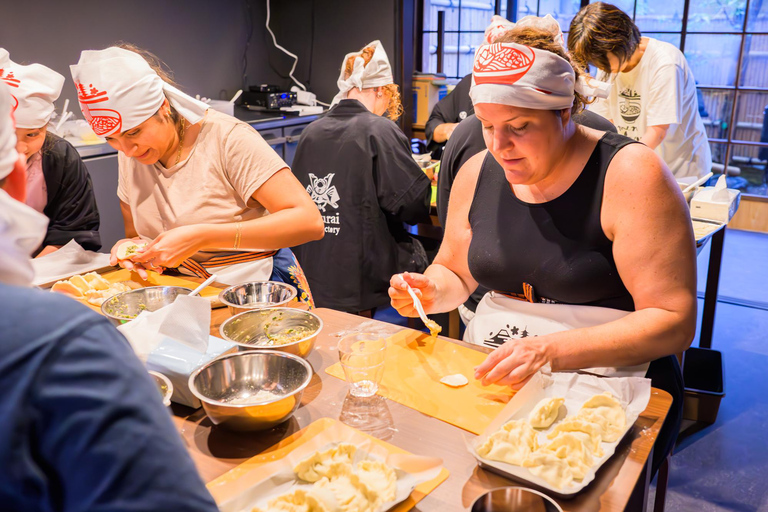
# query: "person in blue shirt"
x,y
83,427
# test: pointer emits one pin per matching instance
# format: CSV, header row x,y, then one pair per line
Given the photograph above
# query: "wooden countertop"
x,y
216,450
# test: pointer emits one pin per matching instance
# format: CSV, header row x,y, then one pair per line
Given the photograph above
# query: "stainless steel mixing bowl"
x,y
253,390
126,306
252,329
258,294
164,385
515,499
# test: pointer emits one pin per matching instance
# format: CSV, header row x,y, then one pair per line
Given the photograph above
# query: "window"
x,y
725,42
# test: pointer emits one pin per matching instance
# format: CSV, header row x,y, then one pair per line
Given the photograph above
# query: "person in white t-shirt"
x,y
653,98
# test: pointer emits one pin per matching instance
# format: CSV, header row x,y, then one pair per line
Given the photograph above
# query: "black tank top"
x,y
548,252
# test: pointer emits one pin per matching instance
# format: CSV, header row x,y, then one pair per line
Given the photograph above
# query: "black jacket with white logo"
x,y
358,169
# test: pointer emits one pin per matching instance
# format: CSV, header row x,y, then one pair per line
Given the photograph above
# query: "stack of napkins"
x,y
717,203
175,341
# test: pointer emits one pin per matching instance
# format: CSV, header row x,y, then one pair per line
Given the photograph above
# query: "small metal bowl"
x,y
164,385
126,306
256,295
515,499
249,330
225,384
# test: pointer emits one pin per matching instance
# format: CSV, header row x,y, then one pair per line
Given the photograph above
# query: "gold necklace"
x,y
181,141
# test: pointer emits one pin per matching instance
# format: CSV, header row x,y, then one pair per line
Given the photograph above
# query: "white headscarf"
x,y
34,88
520,76
22,228
118,90
376,73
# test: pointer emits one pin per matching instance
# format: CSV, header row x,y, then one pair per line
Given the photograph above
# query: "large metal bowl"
x,y
249,330
255,295
225,385
515,499
126,306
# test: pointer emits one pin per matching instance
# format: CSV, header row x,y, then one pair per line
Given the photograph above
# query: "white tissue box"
x,y
177,362
225,107
705,206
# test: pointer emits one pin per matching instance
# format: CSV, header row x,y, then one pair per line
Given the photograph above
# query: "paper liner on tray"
x,y
634,394
258,481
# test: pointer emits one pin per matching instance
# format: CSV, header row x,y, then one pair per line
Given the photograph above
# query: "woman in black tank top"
x,y
555,213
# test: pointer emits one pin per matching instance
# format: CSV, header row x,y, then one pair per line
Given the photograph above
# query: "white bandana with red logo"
x,y
118,90
34,88
376,73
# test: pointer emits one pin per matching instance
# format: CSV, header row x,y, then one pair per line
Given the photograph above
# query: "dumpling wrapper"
x,y
67,288
549,467
571,447
606,411
576,424
515,441
316,466
128,249
455,381
545,412
379,477
96,282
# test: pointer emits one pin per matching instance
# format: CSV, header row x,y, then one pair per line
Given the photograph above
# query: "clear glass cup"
x,y
362,359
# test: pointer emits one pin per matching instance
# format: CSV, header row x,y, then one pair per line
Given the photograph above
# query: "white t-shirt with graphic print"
x,y
661,90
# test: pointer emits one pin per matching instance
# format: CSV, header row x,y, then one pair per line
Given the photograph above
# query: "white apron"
x,y
499,318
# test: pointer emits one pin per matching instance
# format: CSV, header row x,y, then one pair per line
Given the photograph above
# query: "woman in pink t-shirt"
x,y
203,188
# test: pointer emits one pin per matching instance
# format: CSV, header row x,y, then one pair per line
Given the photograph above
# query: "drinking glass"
x,y
362,359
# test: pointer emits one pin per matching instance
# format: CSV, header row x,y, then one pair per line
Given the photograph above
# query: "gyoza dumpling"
x,y
548,466
606,411
298,501
315,467
576,424
511,444
352,495
545,413
571,447
378,477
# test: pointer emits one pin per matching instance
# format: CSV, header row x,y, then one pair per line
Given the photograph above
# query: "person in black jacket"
x,y
446,116
58,183
357,167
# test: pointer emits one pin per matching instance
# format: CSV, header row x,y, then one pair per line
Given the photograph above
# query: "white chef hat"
x,y
376,73
8,154
520,76
34,89
118,90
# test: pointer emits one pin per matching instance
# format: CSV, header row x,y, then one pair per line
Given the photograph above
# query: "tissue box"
x,y
225,107
704,206
177,362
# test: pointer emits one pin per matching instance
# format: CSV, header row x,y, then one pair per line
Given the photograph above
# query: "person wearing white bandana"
x,y
58,183
205,189
83,425
583,236
357,166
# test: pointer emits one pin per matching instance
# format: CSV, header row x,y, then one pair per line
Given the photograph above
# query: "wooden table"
x,y
216,450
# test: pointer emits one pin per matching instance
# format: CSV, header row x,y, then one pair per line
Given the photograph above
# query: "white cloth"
x,y
118,90
34,87
376,73
498,27
661,90
22,230
499,319
259,270
8,154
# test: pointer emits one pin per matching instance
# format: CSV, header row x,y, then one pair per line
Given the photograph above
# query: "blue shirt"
x,y
82,425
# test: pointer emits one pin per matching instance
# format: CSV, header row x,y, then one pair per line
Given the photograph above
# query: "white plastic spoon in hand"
x,y
434,328
203,285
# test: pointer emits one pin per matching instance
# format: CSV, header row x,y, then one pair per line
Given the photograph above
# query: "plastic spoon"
x,y
697,183
434,327
203,285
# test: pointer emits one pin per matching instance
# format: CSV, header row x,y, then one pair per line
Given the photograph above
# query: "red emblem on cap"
x,y
502,64
102,120
9,78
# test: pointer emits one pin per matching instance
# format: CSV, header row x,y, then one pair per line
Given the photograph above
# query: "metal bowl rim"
x,y
254,311
168,392
108,315
224,301
534,491
210,401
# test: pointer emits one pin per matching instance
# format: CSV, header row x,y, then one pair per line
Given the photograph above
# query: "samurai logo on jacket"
x,y
324,194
